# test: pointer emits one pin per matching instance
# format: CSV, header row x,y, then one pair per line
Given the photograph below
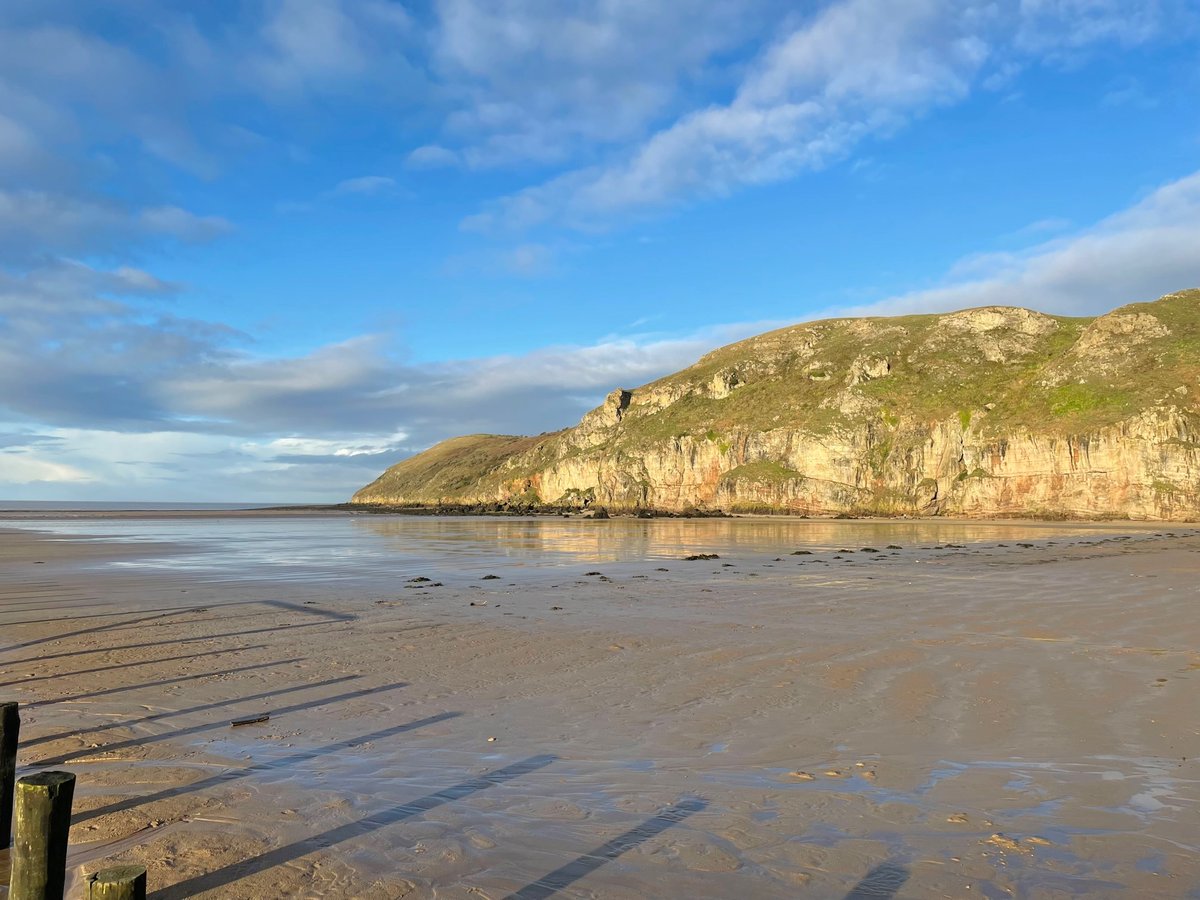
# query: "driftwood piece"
x,y
265,717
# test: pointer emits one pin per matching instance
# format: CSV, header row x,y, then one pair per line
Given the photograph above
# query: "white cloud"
x,y
618,93
128,280
87,346
529,259
432,156
39,224
348,447
53,55
18,144
157,76
1065,25
24,467
77,463
856,69
175,222
366,185
541,80
319,44
1137,254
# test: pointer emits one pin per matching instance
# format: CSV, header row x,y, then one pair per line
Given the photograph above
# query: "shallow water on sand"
x,y
356,547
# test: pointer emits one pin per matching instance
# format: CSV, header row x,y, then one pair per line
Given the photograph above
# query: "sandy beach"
x,y
940,710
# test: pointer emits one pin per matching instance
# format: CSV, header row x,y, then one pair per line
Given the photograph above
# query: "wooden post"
x,y
10,729
39,856
119,883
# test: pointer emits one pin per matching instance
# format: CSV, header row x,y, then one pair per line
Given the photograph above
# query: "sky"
x,y
261,250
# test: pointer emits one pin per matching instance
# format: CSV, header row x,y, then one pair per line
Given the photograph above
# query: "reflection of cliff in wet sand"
x,y
987,412
551,540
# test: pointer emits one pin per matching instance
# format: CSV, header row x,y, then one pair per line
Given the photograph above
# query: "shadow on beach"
x,y
281,855
551,884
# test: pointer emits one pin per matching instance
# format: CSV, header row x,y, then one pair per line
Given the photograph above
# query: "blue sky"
x,y
261,250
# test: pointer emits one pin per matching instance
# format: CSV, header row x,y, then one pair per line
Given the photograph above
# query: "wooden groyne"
x,y
40,805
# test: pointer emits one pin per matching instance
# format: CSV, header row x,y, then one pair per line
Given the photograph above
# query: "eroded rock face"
x,y
868,368
1147,468
723,384
1111,339
592,429
999,334
986,412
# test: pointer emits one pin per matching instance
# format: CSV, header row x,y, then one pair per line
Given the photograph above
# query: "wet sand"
x,y
930,721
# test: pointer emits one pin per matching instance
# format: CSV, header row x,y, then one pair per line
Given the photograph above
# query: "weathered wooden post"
x,y
39,855
118,883
10,729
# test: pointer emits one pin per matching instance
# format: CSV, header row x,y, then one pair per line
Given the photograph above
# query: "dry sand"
x,y
982,721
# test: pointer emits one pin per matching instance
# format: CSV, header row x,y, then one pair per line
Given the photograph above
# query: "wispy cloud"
x,y
319,46
363,186
367,185
856,69
541,81
37,224
432,156
22,466
1139,253
1064,26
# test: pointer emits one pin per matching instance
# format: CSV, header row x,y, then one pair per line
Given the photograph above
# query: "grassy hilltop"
x,y
990,411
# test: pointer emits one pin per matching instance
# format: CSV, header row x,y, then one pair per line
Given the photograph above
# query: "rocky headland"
x,y
990,412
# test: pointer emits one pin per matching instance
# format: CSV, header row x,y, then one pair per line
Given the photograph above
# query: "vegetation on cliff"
x,y
998,410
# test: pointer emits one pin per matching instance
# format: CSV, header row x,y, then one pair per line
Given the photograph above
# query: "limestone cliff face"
x,y
990,412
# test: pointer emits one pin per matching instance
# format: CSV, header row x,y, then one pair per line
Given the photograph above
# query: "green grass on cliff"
x,y
462,466
1038,386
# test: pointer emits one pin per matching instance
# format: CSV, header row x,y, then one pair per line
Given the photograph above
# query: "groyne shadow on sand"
x,y
122,666
162,682
882,883
550,884
171,642
281,855
272,765
165,612
208,726
160,613
164,714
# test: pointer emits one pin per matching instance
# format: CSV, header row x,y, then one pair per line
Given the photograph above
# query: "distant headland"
x,y
990,412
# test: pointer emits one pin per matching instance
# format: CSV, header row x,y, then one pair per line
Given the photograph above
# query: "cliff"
x,y
996,411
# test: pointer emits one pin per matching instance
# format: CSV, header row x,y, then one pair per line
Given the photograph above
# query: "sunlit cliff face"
x,y
988,412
